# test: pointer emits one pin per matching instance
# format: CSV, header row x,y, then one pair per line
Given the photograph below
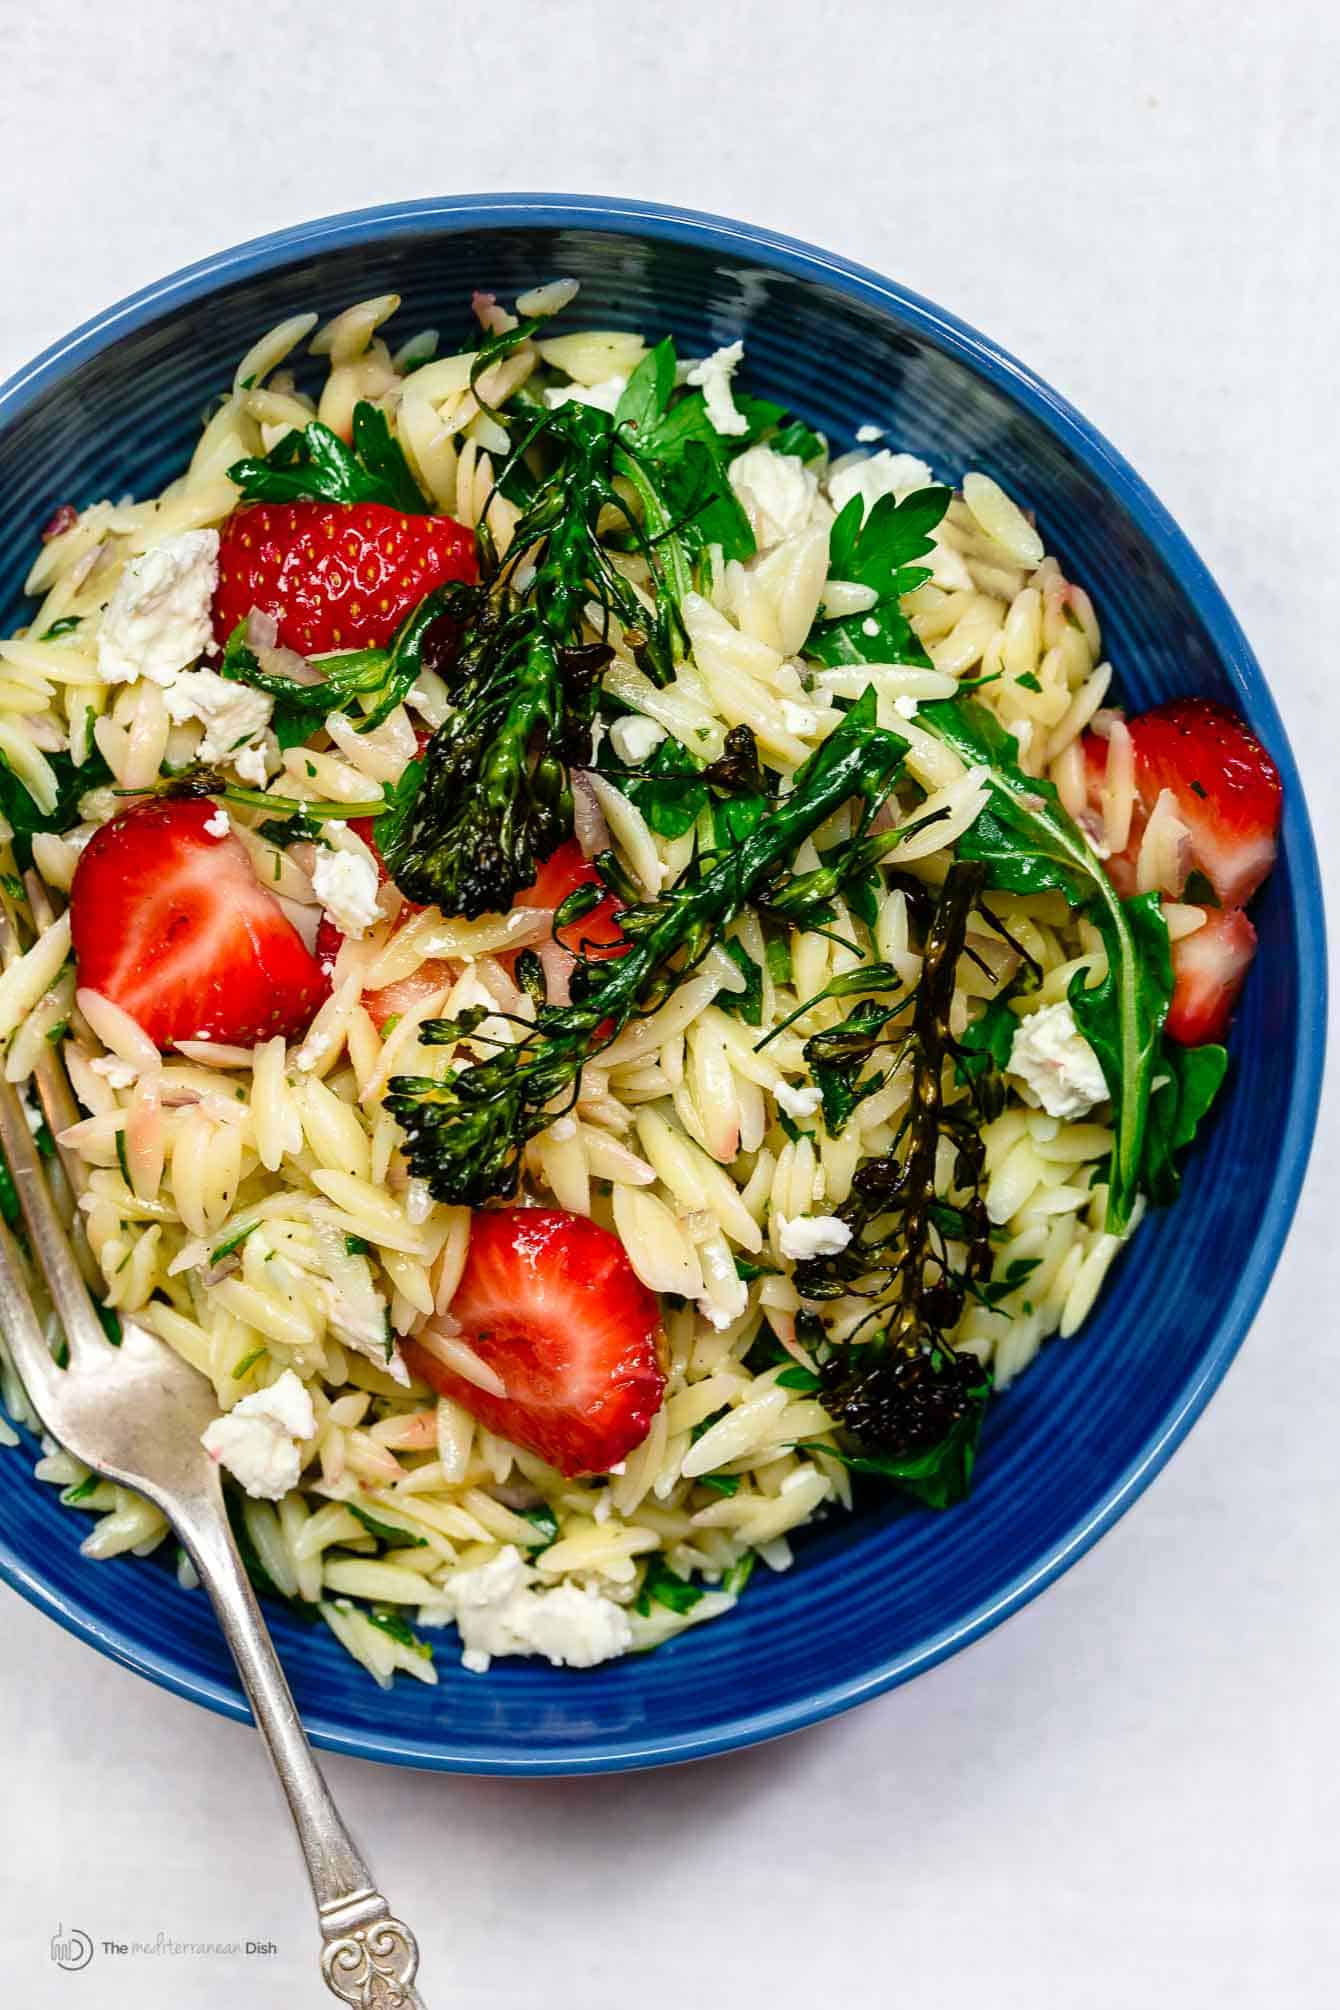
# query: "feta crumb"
x,y
251,765
724,1313
345,883
604,396
634,738
797,1102
158,618
1054,1059
867,435
870,626
119,1074
219,825
713,377
230,712
876,475
798,719
260,1438
905,707
499,1610
418,1202
806,1235
776,491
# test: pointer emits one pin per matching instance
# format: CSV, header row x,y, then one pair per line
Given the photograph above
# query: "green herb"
x,y
111,1324
746,1004
121,1159
465,1134
987,1042
803,1379
675,1593
779,959
739,1574
797,438
940,1475
44,1141
369,683
315,465
55,1034
233,1241
65,626
880,554
1028,682
1016,1273
544,1520
356,1245
1188,1081
725,1484
82,1489
1199,890
385,1531
398,1629
667,789
12,885
748,1268
247,1363
704,1424
22,813
1029,844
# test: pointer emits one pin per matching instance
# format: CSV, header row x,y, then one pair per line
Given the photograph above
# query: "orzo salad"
x,y
621,967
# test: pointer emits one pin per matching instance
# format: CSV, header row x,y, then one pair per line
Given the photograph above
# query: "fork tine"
x,y
83,1328
24,1337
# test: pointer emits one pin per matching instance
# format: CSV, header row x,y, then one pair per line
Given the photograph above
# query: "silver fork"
x,y
136,1414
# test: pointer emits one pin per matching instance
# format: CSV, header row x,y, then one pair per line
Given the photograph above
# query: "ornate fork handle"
x,y
369,1959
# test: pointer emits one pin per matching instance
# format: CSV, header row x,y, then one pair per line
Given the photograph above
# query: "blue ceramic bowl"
x,y
874,1600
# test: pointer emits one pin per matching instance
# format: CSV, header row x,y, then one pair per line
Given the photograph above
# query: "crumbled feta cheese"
x,y
230,712
798,1102
251,765
867,435
260,1438
119,1074
634,738
713,377
498,1610
158,619
345,882
870,626
604,396
219,825
905,707
876,475
800,719
776,491
806,1235
732,1305
1053,1057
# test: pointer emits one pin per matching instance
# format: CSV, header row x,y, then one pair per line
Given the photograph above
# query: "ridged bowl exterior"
x,y
872,1600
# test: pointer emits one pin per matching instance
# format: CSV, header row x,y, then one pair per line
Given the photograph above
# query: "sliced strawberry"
x,y
169,921
334,575
598,934
1208,972
1226,785
552,1304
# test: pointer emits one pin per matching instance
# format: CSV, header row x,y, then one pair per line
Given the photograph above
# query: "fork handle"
x,y
369,1959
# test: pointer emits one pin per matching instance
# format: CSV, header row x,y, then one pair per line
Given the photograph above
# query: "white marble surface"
x,y
1128,1795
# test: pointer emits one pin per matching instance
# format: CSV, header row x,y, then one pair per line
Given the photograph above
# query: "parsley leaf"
x,y
665,791
1176,1107
879,554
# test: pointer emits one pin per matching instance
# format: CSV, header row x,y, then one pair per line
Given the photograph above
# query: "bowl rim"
x,y
514,211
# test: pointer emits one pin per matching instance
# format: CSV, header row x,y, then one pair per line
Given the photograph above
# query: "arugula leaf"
x,y
399,1630
879,553
676,1593
22,813
1030,845
1176,1107
939,1477
317,466
691,457
385,1531
746,1004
